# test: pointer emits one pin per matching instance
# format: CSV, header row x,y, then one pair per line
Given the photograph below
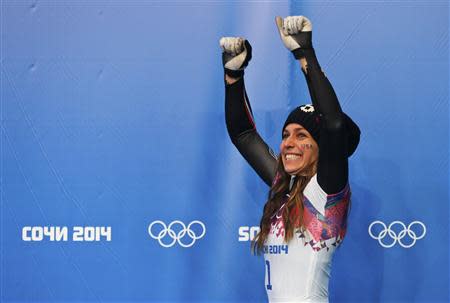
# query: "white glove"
x,y
236,53
295,32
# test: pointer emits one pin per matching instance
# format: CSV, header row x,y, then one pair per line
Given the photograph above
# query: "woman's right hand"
x,y
236,53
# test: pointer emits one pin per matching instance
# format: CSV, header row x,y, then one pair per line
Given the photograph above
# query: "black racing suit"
x,y
332,169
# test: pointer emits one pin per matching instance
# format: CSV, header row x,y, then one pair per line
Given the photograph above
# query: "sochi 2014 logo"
x,y
176,232
405,236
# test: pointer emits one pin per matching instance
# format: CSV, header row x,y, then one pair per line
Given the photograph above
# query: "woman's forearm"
x,y
238,112
322,93
332,170
242,130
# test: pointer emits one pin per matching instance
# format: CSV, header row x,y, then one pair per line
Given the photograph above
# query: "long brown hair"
x,y
292,213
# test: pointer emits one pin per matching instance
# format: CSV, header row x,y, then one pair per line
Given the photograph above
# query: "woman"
x,y
304,219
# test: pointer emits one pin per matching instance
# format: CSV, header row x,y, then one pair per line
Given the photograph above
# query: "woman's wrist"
x,y
303,64
231,80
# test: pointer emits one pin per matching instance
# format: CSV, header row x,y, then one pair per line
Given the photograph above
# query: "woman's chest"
x,y
320,221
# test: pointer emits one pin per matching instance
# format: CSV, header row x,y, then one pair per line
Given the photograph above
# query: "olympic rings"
x,y
387,231
176,237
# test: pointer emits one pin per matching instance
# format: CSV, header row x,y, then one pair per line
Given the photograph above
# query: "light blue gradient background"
x,y
112,113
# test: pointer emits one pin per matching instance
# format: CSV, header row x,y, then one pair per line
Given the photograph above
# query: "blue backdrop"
x,y
112,115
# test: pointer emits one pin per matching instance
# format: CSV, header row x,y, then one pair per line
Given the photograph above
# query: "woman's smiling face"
x,y
298,149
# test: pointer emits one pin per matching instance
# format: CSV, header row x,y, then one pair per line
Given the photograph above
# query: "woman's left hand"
x,y
295,32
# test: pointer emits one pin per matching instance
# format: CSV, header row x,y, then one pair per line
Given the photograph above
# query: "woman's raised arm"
x,y
334,149
238,113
